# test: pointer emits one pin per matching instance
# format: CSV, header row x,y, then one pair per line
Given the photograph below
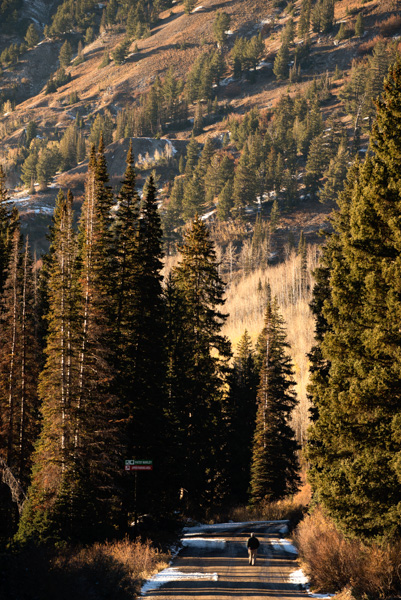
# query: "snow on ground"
x,y
207,216
16,199
43,210
227,80
173,149
173,574
299,578
207,543
231,525
263,64
284,545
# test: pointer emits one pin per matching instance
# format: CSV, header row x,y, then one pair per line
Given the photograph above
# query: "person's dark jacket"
x,y
253,543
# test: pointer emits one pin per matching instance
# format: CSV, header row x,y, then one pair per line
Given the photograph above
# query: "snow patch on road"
x,y
299,578
207,543
173,574
284,545
231,525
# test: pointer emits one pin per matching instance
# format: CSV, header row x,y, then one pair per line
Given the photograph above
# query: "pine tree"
x,y
221,25
19,358
54,456
31,36
274,471
280,67
354,445
145,346
192,156
242,414
225,201
304,19
200,290
336,175
194,196
316,161
65,54
245,182
5,228
359,26
79,502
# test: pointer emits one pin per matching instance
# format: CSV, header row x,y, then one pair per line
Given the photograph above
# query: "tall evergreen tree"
x,y
81,438
354,445
242,413
274,470
5,228
19,358
147,427
203,418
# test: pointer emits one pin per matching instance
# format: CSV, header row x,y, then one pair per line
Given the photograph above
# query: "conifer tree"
x,y
31,36
146,347
359,26
81,437
221,25
194,196
5,228
245,182
280,67
201,291
19,358
304,19
354,444
242,413
225,201
274,470
65,54
192,156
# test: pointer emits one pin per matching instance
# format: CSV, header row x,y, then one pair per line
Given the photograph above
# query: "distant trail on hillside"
x,y
214,564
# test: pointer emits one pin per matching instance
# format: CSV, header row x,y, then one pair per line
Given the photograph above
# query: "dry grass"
x,y
291,509
367,47
390,26
102,571
245,306
334,563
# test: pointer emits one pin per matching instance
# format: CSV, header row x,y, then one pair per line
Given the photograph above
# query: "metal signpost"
x,y
137,465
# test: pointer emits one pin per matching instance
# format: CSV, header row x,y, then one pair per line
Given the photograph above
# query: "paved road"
x,y
226,572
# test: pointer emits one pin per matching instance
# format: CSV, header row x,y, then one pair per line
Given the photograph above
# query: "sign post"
x,y
137,465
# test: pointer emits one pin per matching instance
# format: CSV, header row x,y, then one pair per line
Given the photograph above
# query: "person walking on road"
x,y
252,545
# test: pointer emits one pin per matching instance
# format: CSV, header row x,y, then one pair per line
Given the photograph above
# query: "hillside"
x,y
97,95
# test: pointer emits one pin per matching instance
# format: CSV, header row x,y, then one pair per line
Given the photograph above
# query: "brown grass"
x,y
102,571
390,26
334,563
291,509
367,47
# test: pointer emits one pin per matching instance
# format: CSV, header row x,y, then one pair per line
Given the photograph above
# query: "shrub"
x,y
333,563
102,571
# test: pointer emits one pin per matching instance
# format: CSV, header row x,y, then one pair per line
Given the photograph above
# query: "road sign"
x,y
139,465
